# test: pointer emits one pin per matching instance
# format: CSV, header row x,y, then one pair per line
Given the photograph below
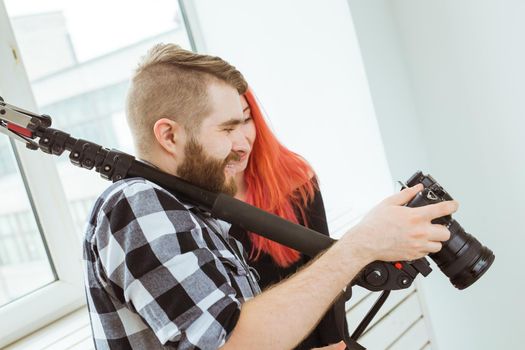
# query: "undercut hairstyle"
x,y
171,82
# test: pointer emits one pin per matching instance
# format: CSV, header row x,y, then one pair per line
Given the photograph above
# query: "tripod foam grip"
x,y
271,226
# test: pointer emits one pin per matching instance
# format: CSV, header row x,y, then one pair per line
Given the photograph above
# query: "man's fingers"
x,y
433,247
434,211
403,197
438,233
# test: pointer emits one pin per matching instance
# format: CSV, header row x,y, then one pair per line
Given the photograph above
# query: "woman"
x,y
271,177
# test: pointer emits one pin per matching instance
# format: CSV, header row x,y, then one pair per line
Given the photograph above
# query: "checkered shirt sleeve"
x,y
156,276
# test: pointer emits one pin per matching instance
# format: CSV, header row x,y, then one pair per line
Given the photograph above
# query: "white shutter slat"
x,y
86,344
359,310
358,294
415,337
72,339
427,347
48,336
387,329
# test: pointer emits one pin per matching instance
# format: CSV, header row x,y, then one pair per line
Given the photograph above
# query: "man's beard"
x,y
205,171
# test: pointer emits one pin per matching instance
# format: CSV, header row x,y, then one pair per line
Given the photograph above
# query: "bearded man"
x,y
162,274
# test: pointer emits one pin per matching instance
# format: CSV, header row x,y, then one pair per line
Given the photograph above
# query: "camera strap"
x,y
339,316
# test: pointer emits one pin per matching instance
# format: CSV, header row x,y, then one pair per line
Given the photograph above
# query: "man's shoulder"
x,y
136,187
135,184
135,195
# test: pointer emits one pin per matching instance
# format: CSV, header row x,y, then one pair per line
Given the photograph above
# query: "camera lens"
x,y
463,259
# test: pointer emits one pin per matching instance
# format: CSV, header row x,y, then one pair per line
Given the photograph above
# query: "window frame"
x,y
64,295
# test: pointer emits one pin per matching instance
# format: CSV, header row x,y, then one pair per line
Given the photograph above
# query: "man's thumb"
x,y
403,197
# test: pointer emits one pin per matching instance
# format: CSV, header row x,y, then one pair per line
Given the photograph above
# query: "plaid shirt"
x,y
159,272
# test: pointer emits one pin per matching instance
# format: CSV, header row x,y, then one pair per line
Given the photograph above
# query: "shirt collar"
x,y
186,204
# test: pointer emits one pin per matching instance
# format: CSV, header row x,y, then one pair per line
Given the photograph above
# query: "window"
x,y
24,263
76,59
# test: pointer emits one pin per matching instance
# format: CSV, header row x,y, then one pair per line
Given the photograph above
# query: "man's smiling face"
x,y
221,147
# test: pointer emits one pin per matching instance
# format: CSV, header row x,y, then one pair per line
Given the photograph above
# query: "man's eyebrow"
x,y
234,121
231,122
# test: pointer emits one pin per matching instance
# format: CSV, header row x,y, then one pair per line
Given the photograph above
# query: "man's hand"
x,y
393,232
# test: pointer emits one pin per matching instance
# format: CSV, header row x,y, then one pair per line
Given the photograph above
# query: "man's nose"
x,y
240,142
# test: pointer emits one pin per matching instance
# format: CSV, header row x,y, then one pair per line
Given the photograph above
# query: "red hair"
x,y
278,181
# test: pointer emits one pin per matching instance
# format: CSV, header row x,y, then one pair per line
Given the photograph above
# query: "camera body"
x,y
462,258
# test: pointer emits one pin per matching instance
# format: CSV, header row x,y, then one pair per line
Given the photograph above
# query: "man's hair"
x,y
171,82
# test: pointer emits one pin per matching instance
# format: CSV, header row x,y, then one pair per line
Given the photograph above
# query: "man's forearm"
x,y
280,317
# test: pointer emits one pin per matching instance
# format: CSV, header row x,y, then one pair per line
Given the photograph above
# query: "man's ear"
x,y
169,134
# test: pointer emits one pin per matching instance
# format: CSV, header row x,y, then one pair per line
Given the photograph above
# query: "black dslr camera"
x,y
463,259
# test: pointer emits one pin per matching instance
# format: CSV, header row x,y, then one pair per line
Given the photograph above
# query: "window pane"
x,y
79,56
24,262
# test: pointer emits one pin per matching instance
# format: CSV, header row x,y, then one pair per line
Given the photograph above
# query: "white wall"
x,y
391,91
303,60
459,83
